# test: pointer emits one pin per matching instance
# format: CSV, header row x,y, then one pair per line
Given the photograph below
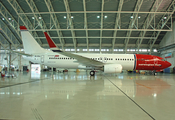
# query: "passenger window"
x,y
111,58
116,58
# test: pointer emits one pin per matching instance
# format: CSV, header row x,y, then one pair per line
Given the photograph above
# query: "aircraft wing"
x,y
81,59
21,53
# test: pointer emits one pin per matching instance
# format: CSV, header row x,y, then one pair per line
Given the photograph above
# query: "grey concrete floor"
x,y
77,96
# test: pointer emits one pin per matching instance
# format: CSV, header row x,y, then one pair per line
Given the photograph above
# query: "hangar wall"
x,y
168,40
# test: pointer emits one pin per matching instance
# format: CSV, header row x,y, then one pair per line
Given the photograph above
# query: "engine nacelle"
x,y
112,68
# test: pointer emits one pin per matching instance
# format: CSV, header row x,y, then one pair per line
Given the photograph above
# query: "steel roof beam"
x,y
11,21
132,21
3,45
101,31
117,24
101,37
7,35
148,21
161,23
85,25
17,8
70,23
121,12
38,17
55,21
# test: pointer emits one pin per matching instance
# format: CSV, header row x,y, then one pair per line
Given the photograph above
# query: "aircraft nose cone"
x,y
168,64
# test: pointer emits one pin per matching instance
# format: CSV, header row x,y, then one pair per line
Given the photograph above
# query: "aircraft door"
x,y
101,59
42,58
155,62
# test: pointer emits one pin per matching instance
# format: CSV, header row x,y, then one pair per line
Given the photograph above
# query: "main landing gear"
x,y
92,73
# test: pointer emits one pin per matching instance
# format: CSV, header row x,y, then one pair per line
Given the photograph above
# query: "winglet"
x,y
51,43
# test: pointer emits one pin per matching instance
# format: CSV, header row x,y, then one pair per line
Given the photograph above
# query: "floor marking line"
x,y
36,114
22,83
132,100
144,86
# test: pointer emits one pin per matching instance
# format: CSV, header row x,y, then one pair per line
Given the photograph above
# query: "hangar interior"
x,y
87,26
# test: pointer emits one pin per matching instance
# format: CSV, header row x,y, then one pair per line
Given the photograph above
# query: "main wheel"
x,y
92,73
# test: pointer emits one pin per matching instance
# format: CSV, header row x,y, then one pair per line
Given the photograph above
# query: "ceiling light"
x,y
64,17
40,17
165,17
106,16
98,16
33,17
72,16
3,19
10,18
139,17
131,17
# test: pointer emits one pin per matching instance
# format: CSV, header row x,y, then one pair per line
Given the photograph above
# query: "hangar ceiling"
x,y
86,24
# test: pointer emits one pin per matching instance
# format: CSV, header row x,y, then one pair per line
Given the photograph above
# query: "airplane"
x,y
108,63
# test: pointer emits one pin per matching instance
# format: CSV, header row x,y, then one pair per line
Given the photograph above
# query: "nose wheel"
x,y
92,73
154,72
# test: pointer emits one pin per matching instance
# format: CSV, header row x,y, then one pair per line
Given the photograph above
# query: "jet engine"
x,y
112,68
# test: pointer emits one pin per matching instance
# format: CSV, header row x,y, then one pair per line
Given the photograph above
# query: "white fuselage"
x,y
57,60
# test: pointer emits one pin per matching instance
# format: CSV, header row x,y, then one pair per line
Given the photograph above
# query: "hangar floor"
x,y
77,96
